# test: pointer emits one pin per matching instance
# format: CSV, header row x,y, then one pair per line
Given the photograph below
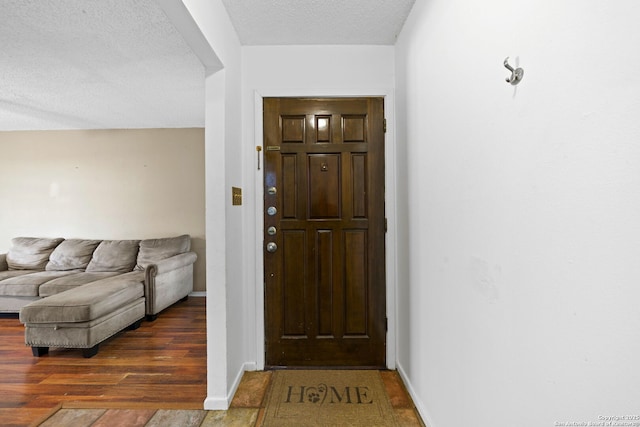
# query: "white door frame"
x,y
390,206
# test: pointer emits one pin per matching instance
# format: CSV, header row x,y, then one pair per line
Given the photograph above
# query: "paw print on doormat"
x,y
317,394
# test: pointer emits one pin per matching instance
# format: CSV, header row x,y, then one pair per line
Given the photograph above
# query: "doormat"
x,y
328,398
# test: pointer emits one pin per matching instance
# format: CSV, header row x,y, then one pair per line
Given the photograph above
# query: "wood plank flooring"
x,y
247,409
136,376
161,365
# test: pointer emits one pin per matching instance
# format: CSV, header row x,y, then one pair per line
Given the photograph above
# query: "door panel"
x,y
324,186
324,279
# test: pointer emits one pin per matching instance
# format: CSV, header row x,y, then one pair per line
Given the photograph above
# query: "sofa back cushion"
x,y
115,255
154,250
30,253
72,254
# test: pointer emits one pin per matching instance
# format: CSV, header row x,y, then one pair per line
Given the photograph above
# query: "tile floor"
x,y
246,409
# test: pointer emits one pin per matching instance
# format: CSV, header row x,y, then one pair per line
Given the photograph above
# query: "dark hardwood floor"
x,y
161,365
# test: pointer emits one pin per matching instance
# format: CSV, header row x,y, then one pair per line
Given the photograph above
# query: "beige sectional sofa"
x,y
75,293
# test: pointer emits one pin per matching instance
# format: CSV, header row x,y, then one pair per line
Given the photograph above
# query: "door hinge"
x,y
384,125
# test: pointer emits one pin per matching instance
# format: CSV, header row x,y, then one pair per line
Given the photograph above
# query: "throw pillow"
x,y
154,250
115,255
72,254
30,253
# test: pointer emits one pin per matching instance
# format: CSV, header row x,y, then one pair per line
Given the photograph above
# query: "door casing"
x,y
390,214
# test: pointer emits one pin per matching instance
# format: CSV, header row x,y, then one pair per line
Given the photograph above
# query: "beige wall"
x,y
104,184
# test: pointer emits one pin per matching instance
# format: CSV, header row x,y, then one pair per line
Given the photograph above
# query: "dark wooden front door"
x,y
324,239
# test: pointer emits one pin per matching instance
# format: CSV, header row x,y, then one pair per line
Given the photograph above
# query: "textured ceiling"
x,y
287,22
83,64
108,64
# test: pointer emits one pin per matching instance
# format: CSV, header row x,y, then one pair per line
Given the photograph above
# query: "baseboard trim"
x,y
416,400
198,294
246,366
250,366
217,404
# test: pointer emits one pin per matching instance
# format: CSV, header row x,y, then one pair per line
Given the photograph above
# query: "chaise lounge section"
x,y
86,316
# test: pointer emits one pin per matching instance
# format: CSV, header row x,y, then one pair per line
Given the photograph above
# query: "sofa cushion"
x,y
72,254
7,274
65,283
30,253
28,285
88,302
154,250
115,255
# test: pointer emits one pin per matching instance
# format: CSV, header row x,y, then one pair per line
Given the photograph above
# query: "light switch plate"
x,y
236,196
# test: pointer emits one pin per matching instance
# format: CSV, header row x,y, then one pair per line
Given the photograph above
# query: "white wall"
x,y
301,71
104,184
225,298
316,69
520,289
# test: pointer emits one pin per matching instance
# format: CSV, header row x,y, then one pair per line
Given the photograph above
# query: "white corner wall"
x,y
305,71
226,330
519,273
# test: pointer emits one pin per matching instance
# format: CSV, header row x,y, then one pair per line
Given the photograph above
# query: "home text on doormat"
x,y
328,398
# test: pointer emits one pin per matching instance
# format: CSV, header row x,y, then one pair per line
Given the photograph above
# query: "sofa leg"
x,y
90,352
135,325
39,351
151,317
